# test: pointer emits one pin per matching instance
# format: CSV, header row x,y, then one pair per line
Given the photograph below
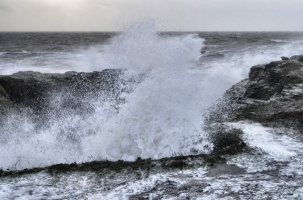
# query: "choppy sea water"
x,y
163,116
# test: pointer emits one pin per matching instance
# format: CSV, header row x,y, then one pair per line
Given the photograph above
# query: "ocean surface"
x,y
73,51
162,117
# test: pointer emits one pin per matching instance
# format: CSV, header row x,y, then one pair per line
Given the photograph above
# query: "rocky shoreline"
x,y
272,96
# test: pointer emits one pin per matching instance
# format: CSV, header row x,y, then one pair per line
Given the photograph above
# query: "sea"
x,y
162,116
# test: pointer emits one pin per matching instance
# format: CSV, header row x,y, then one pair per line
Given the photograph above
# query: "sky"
x,y
170,15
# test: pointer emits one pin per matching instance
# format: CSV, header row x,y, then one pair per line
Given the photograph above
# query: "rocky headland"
x,y
272,95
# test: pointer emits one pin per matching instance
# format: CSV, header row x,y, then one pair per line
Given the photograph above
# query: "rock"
x,y
5,102
272,95
297,58
36,91
226,140
284,58
105,166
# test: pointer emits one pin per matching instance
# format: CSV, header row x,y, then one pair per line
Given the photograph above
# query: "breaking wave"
x,y
161,117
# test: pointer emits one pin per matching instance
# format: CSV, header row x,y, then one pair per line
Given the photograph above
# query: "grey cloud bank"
x,y
170,15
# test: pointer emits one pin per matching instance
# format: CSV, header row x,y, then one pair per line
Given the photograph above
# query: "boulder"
x,y
284,58
226,140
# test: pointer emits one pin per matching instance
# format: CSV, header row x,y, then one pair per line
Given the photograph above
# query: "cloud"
x,y
186,15
4,6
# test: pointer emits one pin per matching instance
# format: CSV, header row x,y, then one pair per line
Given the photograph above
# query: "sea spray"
x,y
165,109
162,116
159,116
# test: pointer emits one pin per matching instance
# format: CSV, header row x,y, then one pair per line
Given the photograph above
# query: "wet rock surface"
x,y
226,140
140,165
272,95
5,101
35,90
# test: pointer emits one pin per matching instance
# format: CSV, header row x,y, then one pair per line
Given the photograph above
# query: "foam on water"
x,y
280,147
271,147
276,174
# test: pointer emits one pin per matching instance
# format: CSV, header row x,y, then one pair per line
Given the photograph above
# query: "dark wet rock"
x,y
284,58
226,140
297,58
39,91
4,98
5,101
140,165
272,95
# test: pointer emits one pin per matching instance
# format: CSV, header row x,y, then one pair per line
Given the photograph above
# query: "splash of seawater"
x,y
161,117
166,107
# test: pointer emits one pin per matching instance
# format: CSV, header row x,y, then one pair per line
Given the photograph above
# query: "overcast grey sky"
x,y
171,15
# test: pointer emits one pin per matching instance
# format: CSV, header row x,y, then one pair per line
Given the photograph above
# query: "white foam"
x,y
166,107
271,147
280,41
161,117
279,147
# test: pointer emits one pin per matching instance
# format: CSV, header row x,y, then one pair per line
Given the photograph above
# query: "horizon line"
x,y
124,31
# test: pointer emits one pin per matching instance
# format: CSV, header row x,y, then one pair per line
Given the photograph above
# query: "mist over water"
x,y
161,117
